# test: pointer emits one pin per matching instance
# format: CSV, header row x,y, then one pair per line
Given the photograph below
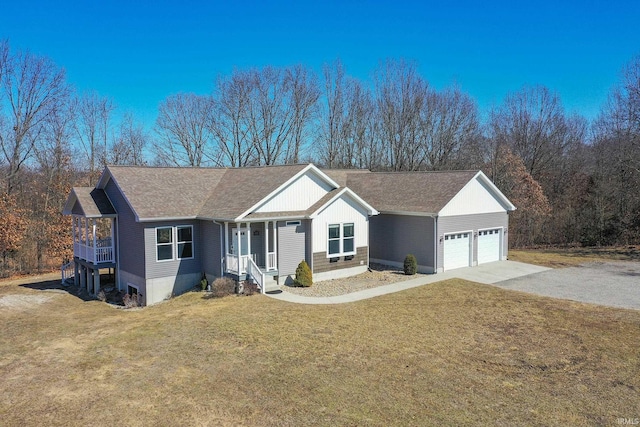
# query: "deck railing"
x,y
102,252
256,274
67,271
272,262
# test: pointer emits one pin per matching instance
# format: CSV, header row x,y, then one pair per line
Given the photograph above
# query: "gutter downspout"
x,y
435,244
116,224
222,254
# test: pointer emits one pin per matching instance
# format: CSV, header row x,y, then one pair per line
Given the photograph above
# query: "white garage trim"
x,y
457,249
490,242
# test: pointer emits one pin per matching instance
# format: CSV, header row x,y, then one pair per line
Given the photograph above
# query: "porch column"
x,y
239,250
93,238
266,245
86,239
275,242
89,280
96,274
249,239
76,273
226,239
83,277
112,243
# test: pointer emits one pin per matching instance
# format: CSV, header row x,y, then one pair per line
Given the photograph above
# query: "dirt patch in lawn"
x,y
377,275
23,301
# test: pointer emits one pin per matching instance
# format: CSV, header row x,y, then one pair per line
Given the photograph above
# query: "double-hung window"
x,y
341,240
174,243
164,243
184,241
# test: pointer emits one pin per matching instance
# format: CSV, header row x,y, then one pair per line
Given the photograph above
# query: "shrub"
x,y
203,282
250,288
131,301
410,265
303,275
102,296
223,286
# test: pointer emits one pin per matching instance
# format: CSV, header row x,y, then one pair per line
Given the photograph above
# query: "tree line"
x,y
574,182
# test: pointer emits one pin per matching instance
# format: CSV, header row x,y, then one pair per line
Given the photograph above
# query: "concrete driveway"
x,y
490,273
614,283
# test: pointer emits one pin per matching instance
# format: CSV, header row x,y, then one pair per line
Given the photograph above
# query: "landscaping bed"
x,y
378,275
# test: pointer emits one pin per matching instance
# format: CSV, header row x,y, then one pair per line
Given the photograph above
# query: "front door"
x,y
244,241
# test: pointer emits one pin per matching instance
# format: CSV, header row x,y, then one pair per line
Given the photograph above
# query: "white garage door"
x,y
489,245
456,250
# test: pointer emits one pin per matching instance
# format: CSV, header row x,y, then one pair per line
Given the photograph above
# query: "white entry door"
x,y
489,245
457,250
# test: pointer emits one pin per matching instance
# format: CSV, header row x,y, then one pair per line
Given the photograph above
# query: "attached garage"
x,y
446,219
457,250
489,245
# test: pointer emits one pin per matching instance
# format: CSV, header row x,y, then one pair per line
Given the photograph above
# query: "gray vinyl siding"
x,y
77,210
210,254
157,269
473,223
392,237
292,247
129,234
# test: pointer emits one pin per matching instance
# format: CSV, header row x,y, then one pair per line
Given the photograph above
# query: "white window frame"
x,y
341,239
174,242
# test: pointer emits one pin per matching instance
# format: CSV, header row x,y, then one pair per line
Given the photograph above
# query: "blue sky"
x,y
138,53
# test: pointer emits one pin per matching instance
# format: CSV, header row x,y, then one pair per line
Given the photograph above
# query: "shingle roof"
x,y
227,193
156,193
166,192
93,202
423,192
241,188
340,175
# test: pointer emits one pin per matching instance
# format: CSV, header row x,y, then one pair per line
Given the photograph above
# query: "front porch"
x,y
251,250
93,249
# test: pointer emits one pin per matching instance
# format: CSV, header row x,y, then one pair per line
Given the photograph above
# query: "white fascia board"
x,y
166,219
498,193
104,178
309,167
71,200
102,183
370,209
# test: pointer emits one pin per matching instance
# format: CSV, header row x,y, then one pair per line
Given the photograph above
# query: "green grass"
x,y
451,353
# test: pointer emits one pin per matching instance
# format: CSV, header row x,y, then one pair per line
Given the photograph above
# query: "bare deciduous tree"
x,y
303,103
450,124
32,86
93,117
400,95
533,125
129,143
333,115
227,124
183,129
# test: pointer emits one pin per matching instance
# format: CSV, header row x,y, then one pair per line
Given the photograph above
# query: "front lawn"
x,y
450,353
